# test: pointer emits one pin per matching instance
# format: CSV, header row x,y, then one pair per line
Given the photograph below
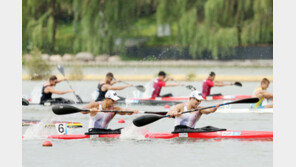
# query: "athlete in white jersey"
x,y
188,120
100,120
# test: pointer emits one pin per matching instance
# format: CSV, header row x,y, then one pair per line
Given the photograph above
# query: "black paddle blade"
x,y
190,87
248,100
238,84
65,109
79,99
61,69
141,88
146,119
157,112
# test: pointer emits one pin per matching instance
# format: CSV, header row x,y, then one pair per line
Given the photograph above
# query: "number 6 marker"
x,y
61,128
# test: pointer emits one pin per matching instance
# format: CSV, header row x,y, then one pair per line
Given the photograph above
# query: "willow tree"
x,y
218,26
39,23
99,23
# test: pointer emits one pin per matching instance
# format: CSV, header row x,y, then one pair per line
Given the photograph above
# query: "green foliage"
x,y
218,25
215,26
101,24
37,67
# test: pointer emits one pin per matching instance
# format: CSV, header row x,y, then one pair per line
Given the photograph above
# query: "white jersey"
x,y
188,119
101,119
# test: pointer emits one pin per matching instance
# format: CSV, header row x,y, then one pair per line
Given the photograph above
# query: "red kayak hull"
x,y
221,97
231,134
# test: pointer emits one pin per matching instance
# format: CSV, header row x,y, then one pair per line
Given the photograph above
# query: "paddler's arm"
x,y
126,109
60,80
168,79
176,110
210,110
52,90
114,82
110,87
173,84
93,106
263,94
220,83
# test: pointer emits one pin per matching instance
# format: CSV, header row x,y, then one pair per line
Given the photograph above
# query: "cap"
x,y
196,95
112,95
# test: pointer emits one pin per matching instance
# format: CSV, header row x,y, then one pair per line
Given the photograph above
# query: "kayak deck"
x,y
231,134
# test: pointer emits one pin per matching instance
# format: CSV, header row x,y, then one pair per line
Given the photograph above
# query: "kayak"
x,y
228,134
52,124
174,100
54,101
246,110
166,100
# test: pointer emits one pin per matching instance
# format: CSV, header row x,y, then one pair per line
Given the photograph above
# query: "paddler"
x,y
186,122
262,94
209,83
160,82
106,85
48,90
99,121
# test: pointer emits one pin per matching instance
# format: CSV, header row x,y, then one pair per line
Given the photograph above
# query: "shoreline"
x,y
177,77
171,63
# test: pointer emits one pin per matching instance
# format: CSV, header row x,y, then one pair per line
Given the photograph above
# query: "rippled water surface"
x,y
134,151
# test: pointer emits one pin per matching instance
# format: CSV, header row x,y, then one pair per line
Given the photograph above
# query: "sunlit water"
x,y
134,151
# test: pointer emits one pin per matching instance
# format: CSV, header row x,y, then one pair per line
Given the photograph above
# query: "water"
x,y
172,70
156,152
133,151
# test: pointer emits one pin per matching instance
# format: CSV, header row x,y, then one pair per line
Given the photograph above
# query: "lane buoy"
x,y
47,143
121,121
167,106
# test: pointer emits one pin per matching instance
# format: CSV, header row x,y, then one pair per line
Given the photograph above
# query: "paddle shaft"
x,y
61,69
73,92
139,87
68,109
249,100
145,120
140,112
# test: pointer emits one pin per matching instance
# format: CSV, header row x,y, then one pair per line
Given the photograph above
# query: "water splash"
x,y
132,132
45,128
94,95
36,93
148,89
40,130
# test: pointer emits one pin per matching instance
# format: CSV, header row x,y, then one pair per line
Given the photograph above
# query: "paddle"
x,y
148,119
238,84
190,87
141,88
64,109
61,69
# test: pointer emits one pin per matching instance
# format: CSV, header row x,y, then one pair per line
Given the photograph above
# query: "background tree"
x,y
209,28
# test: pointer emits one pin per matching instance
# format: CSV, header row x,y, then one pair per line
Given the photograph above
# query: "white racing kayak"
x,y
246,110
